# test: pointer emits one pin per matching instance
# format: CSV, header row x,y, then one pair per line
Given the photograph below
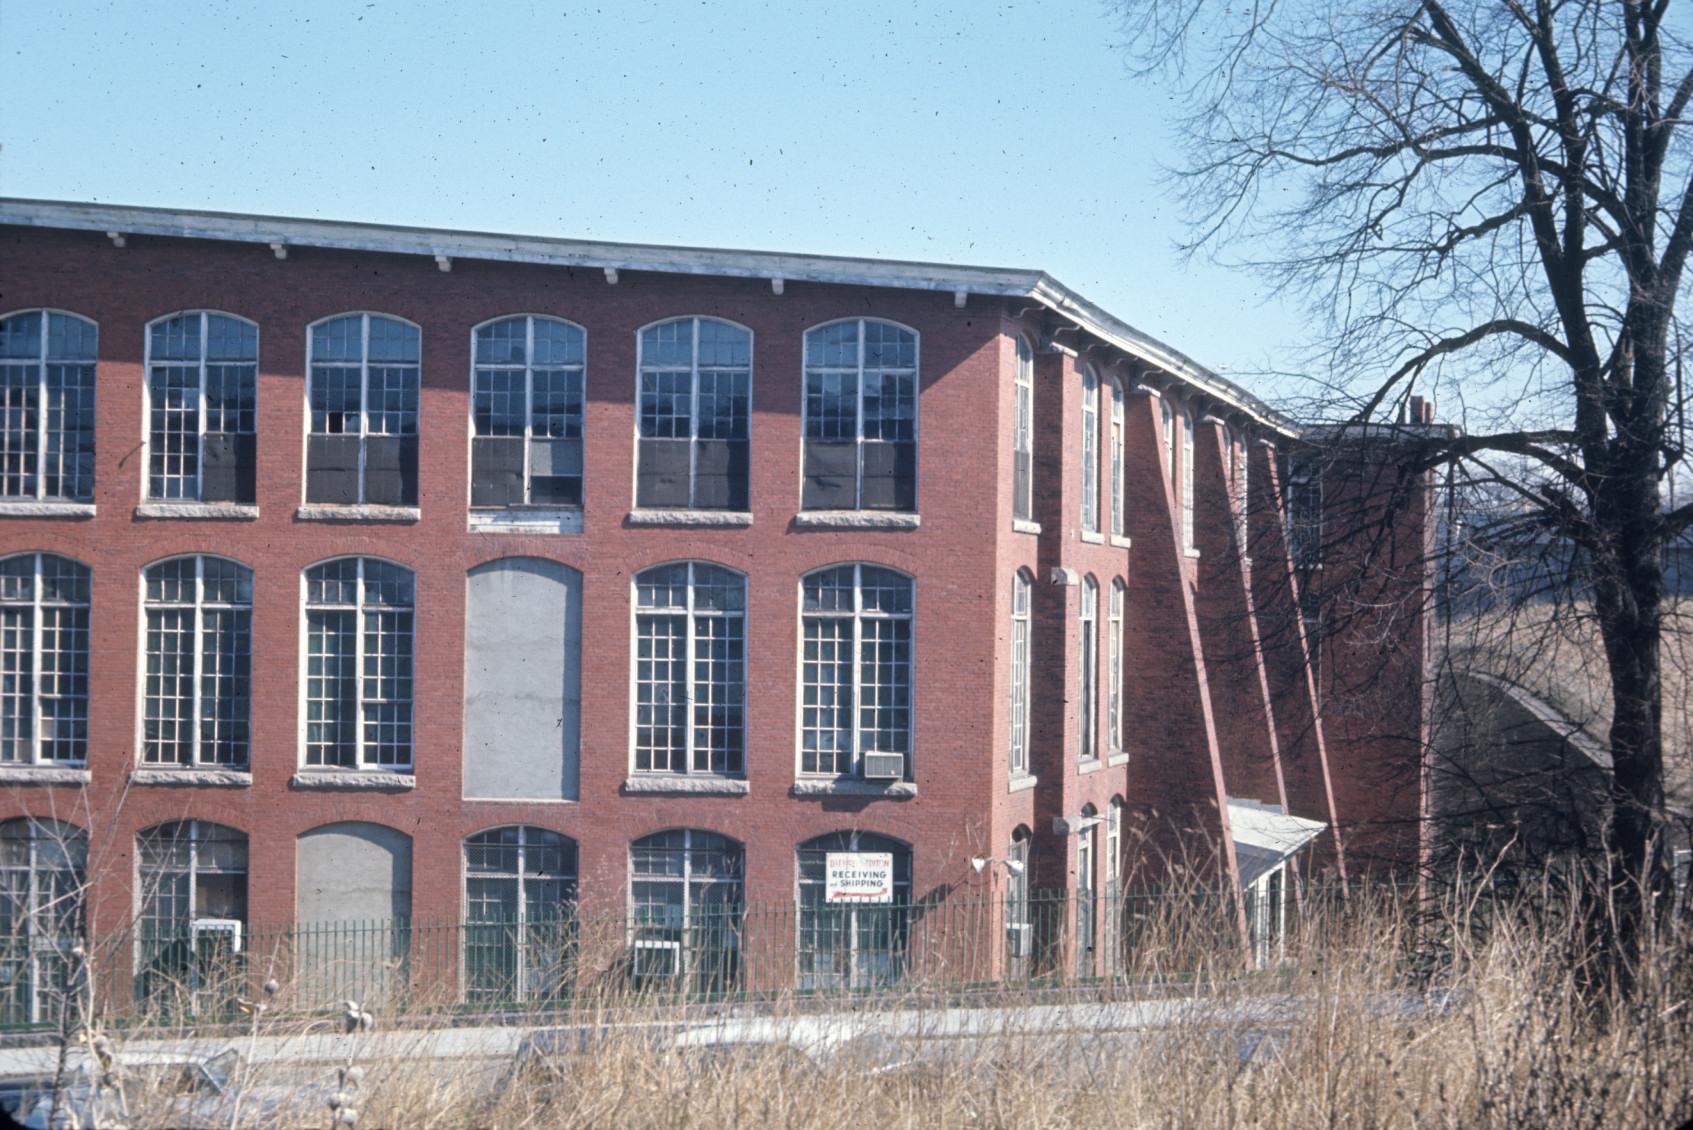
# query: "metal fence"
x,y
708,953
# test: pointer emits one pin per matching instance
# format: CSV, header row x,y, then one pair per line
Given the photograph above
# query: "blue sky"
x,y
991,133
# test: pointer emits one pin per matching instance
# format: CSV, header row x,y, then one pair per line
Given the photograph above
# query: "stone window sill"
x,y
1117,759
1121,542
43,775
225,511
1093,538
358,514
714,518
856,520
1092,765
1023,783
31,508
526,520
1024,526
853,786
1191,551
685,784
216,778
353,780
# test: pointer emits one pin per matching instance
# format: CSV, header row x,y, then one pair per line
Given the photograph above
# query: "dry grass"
x,y
1375,1020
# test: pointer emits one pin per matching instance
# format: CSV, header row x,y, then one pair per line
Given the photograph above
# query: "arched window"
x,y
1243,494
850,946
1167,422
1087,700
520,914
855,673
686,899
1115,903
1022,590
1187,478
526,406
199,659
43,660
47,406
1119,459
695,401
1114,669
860,416
359,655
43,878
1023,438
1019,909
1087,894
1090,451
363,388
690,670
202,408
193,899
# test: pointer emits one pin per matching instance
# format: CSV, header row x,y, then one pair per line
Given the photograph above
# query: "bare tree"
x,y
1489,202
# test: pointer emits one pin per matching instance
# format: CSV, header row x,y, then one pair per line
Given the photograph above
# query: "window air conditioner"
x,y
221,928
655,959
884,766
1019,938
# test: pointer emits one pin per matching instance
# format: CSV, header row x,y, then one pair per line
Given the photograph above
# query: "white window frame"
x,y
197,830
528,371
1023,428
1087,892
1022,599
43,905
200,368
38,424
364,433
850,918
1088,695
35,606
858,616
520,942
916,399
689,662
1090,450
1118,460
693,401
686,963
198,607
1114,666
1167,420
1187,478
362,765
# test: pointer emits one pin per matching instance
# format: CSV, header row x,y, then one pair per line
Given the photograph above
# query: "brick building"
x,y
363,572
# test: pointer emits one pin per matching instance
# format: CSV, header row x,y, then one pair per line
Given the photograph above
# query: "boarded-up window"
x,y
860,417
202,408
522,680
694,401
526,394
363,390
353,903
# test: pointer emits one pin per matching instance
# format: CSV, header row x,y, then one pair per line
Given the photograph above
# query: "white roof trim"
x,y
444,245
1268,828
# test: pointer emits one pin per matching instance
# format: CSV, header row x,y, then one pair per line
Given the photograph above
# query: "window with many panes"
x,y
202,408
1090,451
1114,901
47,406
526,408
193,878
520,914
1243,495
1114,668
855,668
1022,591
851,946
1019,907
1023,437
694,404
43,877
1305,516
363,390
1187,478
1087,702
199,613
860,417
359,664
686,899
1087,893
690,670
1167,427
43,660
1118,459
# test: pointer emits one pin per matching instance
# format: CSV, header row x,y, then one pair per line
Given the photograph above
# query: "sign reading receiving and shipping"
x,y
858,876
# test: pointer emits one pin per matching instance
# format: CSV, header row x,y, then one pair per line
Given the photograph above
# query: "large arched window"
x,y
1115,903
362,385
199,659
690,670
686,898
47,362
1019,907
359,658
845,945
860,416
1022,592
1087,698
694,402
855,673
1114,669
43,660
43,876
1187,478
202,408
520,914
526,406
1087,890
1119,460
193,900
1090,451
1167,429
1023,437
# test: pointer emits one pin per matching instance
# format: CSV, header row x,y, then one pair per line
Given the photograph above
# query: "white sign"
x,y
858,876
